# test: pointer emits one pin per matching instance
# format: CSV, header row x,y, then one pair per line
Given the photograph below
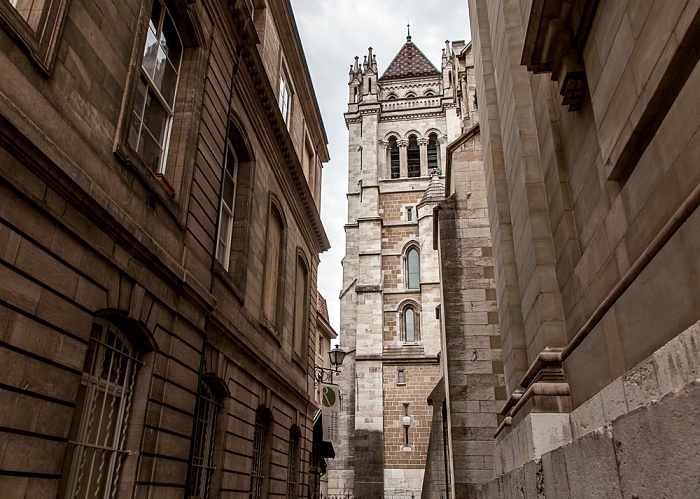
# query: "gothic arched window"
x,y
413,157
394,161
413,268
410,323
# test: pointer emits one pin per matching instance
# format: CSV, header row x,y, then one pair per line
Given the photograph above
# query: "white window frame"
x,y
152,90
227,208
106,445
285,98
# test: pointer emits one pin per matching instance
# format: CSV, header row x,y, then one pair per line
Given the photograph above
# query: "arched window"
x,y
413,269
394,161
293,464
203,442
96,451
261,454
410,323
433,164
413,157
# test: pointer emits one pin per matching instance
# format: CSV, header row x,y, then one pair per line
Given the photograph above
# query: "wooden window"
x,y
400,377
226,207
35,24
413,157
154,101
285,99
202,465
96,443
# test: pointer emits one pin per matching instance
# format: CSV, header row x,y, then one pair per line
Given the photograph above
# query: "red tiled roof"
x,y
322,308
409,63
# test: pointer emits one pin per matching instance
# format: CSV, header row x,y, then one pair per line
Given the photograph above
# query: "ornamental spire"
x,y
408,25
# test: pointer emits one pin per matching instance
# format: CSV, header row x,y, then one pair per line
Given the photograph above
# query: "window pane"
x,y
413,264
150,51
30,10
155,118
409,316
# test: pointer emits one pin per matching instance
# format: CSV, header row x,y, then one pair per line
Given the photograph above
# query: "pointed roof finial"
x,y
408,25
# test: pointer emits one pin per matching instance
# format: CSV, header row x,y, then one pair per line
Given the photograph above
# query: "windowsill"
x,y
270,328
400,384
226,278
156,183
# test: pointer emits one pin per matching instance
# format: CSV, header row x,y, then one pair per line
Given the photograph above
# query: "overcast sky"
x,y
333,32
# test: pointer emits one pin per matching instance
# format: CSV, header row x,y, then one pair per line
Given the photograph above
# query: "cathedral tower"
x,y
399,124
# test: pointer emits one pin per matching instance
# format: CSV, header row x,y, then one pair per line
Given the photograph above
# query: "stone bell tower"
x,y
398,124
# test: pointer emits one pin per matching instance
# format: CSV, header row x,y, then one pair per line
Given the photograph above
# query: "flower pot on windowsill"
x,y
166,185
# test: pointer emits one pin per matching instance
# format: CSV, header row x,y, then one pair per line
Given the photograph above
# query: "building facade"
x,y
160,176
589,125
399,124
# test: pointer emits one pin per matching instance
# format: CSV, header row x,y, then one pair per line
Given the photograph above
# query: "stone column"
x,y
403,157
423,143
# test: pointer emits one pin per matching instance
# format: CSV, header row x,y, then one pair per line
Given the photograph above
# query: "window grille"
x,y
256,472
154,102
203,443
292,467
228,199
101,414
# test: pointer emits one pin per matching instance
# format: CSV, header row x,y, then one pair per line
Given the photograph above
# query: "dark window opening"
x,y
413,157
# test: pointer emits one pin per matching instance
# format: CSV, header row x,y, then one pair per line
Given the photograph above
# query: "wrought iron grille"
x,y
203,443
292,466
102,414
256,472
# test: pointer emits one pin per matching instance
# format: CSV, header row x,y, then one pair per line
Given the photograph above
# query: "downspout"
x,y
212,267
554,355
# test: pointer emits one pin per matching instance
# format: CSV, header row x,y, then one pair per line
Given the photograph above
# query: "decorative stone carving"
x,y
555,36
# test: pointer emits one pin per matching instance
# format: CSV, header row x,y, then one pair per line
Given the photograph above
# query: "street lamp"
x,y
324,375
